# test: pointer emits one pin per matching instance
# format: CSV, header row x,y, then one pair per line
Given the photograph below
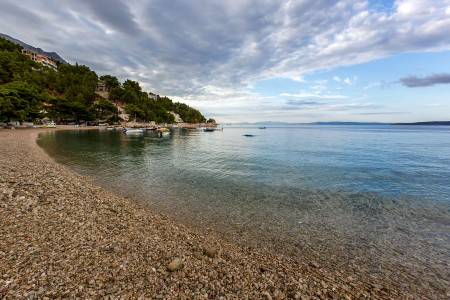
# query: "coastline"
x,y
64,236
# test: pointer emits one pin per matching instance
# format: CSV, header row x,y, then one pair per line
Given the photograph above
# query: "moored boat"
x,y
133,130
49,125
163,132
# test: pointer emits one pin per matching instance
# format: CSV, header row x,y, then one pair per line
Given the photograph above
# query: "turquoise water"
x,y
374,200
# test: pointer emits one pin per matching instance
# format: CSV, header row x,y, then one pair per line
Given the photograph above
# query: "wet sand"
x,y
63,236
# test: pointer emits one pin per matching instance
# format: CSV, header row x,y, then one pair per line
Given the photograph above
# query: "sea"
x,y
372,201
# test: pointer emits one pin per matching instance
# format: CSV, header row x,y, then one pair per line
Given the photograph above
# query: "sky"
x,y
266,60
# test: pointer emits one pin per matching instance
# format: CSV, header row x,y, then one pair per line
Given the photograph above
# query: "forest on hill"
x,y
30,91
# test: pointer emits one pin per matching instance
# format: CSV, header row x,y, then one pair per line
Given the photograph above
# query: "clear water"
x,y
369,200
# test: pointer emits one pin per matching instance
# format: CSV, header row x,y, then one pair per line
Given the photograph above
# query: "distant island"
x,y
272,123
349,123
440,123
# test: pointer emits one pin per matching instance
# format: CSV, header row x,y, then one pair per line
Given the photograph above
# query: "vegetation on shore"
x,y
31,91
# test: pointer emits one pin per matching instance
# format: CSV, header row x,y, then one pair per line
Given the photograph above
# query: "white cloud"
x,y
351,81
298,78
215,50
318,95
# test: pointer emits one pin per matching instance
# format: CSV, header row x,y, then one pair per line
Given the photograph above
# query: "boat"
x,y
208,129
249,135
262,127
163,132
49,125
133,130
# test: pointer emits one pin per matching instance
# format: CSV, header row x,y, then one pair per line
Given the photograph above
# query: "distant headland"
x,y
435,123
273,123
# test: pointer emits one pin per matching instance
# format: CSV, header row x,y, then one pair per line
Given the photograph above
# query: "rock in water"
x,y
175,264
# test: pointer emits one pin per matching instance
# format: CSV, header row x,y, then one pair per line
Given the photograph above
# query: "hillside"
x,y
30,91
53,55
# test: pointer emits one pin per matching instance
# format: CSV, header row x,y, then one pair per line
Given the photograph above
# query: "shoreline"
x,y
64,236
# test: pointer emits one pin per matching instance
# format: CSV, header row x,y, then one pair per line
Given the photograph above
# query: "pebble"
x,y
210,251
175,264
266,295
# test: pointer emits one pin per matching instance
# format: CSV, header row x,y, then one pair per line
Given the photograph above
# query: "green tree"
x,y
105,108
17,102
111,81
9,46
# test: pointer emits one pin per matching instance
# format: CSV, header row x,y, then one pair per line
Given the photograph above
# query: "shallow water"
x,y
372,200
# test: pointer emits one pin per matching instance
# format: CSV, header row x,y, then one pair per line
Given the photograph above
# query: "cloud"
x,y
308,106
351,81
348,80
111,15
414,81
339,106
298,78
203,50
382,113
315,95
234,43
302,102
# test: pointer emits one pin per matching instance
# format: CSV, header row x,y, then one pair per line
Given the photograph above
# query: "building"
x,y
102,89
152,96
101,86
41,58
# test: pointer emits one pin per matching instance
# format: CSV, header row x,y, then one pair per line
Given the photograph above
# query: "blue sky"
x,y
247,60
363,92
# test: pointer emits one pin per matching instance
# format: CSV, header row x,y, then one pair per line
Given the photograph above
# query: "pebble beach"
x,y
64,237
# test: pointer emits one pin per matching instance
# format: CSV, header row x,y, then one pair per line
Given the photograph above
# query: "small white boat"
x,y
49,125
163,132
134,130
